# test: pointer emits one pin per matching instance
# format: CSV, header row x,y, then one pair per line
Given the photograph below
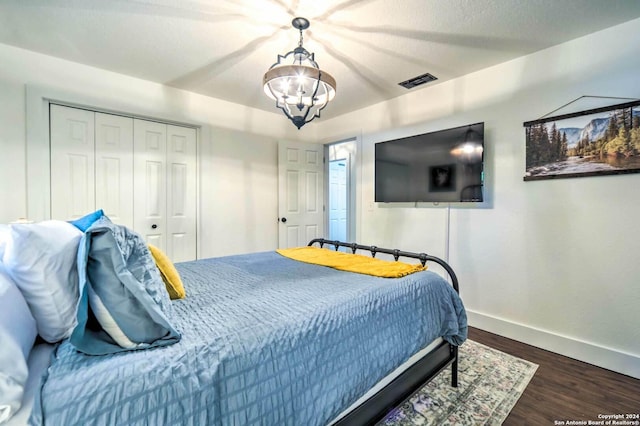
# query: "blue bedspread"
x,y
266,340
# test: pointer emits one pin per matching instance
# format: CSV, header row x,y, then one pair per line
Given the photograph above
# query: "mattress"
x,y
265,340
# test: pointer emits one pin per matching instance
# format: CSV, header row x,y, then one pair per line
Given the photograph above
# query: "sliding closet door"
x,y
114,167
72,162
149,182
181,193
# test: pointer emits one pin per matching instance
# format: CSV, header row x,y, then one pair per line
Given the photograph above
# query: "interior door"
x,y
338,201
149,183
72,162
114,167
181,193
300,193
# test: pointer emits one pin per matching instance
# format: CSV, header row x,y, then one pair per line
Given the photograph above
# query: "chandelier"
x,y
297,84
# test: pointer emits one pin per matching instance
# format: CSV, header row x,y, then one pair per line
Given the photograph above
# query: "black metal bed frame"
x,y
417,375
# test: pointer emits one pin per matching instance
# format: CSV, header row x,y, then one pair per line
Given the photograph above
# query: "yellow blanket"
x,y
351,262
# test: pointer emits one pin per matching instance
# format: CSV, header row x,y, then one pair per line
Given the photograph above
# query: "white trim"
x,y
353,170
38,163
591,353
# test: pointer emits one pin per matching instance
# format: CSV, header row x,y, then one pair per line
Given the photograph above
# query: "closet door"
x,y
114,167
181,193
149,181
141,173
72,162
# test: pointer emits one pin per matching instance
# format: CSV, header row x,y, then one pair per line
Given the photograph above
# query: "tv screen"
x,y
442,166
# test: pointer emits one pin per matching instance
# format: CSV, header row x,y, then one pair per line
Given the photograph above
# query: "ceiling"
x,y
221,48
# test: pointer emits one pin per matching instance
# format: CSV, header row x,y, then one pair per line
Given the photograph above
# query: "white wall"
x,y
242,192
238,168
553,263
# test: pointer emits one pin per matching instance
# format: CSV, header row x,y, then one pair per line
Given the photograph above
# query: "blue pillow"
x,y
123,304
86,221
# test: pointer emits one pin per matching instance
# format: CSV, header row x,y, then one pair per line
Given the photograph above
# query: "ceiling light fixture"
x,y
300,88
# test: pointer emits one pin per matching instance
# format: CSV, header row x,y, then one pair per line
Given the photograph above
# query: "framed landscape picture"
x,y
602,141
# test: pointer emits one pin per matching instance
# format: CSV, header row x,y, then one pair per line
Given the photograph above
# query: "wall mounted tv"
x,y
443,166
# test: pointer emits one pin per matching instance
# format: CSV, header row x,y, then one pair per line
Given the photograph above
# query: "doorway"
x,y
338,200
340,188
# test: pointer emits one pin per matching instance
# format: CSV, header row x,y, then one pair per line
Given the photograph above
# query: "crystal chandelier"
x,y
297,84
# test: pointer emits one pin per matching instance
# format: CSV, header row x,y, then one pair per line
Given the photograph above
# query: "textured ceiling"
x,y
221,48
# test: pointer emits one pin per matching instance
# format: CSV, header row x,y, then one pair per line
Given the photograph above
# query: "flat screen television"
x,y
442,166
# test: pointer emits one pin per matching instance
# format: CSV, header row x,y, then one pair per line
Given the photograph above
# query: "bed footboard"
x,y
419,374
402,387
423,257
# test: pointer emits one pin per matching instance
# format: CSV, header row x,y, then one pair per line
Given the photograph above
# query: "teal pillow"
x,y
123,303
86,221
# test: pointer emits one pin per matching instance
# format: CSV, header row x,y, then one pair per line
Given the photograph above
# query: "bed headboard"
x,y
423,257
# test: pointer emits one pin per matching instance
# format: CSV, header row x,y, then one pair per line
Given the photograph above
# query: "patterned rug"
x,y
489,385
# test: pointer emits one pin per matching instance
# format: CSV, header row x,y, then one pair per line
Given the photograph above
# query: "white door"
x,y
72,162
141,173
114,167
149,183
338,199
300,193
181,193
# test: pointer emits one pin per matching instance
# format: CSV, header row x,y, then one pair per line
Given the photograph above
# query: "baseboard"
x,y
621,362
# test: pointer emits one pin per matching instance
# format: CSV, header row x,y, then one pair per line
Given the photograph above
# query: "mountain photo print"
x,y
602,141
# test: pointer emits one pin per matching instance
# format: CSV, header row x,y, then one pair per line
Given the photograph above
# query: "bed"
x,y
265,339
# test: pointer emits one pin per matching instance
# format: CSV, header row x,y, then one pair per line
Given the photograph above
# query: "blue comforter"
x,y
266,340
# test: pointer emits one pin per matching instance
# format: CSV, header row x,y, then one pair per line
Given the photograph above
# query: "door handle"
x,y
154,226
283,220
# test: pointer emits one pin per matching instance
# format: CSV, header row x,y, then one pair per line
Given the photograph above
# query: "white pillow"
x,y
4,237
17,334
41,259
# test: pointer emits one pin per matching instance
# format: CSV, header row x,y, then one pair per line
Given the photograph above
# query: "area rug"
x,y
489,385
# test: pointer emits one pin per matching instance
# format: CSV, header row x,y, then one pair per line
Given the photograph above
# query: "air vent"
x,y
417,81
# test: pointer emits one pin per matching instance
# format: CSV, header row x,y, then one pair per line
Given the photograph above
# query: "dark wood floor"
x,y
563,388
